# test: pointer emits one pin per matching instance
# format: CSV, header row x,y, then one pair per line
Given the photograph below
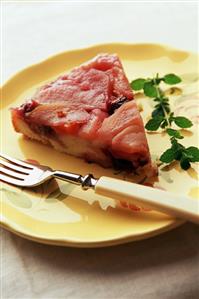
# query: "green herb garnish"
x,y
162,117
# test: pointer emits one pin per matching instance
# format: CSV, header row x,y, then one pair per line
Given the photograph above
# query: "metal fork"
x,y
23,174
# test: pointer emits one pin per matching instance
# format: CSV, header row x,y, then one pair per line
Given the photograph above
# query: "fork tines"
x,y
12,171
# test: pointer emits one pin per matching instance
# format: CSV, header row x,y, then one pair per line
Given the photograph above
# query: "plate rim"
x,y
123,44
12,227
90,243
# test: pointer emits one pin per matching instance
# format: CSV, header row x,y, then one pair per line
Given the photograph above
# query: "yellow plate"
x,y
62,214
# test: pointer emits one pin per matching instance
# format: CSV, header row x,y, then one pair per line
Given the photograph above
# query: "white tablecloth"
x,y
163,267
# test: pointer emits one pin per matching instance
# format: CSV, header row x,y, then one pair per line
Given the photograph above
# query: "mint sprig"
x,y
178,152
163,118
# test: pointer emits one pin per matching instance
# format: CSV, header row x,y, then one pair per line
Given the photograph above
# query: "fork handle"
x,y
173,204
87,181
67,176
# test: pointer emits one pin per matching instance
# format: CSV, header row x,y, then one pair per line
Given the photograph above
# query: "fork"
x,y
23,174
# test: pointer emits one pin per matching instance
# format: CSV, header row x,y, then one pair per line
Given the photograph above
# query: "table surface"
x,y
166,266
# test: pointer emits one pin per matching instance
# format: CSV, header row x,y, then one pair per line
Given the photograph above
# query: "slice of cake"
x,y
89,113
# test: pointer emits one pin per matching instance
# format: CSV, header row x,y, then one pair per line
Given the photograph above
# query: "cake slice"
x,y
89,113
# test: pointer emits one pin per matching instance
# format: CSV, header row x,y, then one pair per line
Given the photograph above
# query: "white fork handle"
x,y
176,205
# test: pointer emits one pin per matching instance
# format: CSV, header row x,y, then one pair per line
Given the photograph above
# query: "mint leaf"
x,y
174,133
178,149
168,156
150,90
137,84
158,111
154,123
182,122
192,153
184,163
171,79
